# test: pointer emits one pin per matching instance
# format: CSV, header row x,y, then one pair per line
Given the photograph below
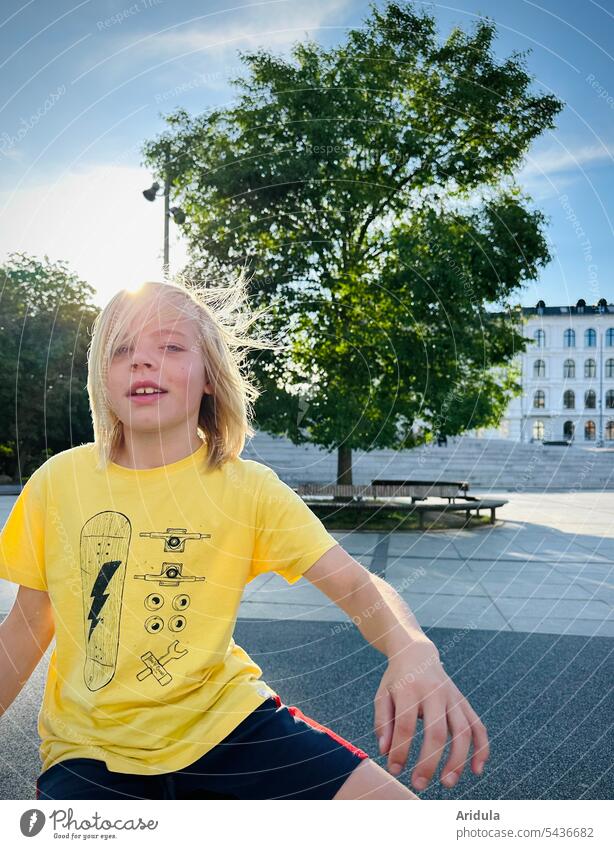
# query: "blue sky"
x,y
83,84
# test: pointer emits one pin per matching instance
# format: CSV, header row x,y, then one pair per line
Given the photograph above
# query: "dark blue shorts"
x,y
275,753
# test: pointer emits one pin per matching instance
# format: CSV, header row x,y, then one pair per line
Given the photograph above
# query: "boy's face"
x,y
165,353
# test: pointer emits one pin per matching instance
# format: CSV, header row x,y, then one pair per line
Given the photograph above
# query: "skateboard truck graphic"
x,y
156,665
174,538
170,576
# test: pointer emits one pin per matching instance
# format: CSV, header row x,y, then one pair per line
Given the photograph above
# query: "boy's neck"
x,y
144,453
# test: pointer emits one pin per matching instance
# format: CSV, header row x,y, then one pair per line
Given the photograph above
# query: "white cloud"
x,y
548,172
217,36
98,221
555,160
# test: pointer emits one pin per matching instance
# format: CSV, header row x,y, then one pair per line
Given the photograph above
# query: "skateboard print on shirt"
x,y
105,541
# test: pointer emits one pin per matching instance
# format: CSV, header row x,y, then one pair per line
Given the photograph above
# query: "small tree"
x,y
45,319
369,188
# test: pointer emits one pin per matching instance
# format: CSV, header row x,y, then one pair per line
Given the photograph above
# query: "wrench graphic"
x,y
156,665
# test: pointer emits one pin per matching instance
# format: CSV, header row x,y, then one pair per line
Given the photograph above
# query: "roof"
x,y
581,308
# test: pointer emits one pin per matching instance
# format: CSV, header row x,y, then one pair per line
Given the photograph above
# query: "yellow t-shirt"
x,y
145,569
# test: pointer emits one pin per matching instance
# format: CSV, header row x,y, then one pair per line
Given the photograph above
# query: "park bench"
x,y
419,490
351,496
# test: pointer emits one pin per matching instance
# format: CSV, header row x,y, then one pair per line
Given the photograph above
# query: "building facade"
x,y
567,377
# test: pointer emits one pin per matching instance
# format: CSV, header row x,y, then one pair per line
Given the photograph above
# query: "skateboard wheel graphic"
x,y
154,624
176,623
154,601
180,602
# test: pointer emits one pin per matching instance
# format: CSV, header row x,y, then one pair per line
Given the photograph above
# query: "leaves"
x,y
45,318
348,179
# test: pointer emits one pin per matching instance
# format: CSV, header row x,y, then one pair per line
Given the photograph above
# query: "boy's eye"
x,y
123,348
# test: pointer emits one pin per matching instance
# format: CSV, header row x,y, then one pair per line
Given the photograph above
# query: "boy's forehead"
x,y
168,321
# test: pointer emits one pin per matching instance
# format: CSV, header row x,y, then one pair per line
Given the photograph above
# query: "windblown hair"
x,y
223,318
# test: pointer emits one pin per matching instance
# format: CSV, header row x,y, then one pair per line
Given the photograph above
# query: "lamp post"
x,y
178,214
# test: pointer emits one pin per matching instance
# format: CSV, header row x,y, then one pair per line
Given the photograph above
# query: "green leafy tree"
x,y
369,188
46,316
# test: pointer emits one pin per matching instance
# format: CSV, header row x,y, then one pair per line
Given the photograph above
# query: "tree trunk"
x,y
344,465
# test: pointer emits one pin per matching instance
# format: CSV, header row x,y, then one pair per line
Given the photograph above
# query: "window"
x,y
609,430
609,337
569,400
539,399
609,368
590,368
590,399
538,429
569,339
590,338
540,338
569,368
539,368
609,399
590,431
568,430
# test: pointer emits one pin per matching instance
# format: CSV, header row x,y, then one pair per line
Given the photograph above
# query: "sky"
x,y
84,84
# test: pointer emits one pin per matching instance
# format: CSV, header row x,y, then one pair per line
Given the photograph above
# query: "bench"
x,y
452,490
416,490
422,489
354,496
451,507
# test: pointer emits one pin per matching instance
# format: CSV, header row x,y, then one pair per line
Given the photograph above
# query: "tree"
x,y
370,190
45,316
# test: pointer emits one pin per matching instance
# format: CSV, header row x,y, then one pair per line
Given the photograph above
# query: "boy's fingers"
x,y
405,718
435,726
383,720
481,746
461,732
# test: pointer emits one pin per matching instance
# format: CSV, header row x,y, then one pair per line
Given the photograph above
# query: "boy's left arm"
x,y
415,683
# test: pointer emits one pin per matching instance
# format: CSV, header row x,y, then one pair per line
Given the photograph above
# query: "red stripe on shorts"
x,y
300,715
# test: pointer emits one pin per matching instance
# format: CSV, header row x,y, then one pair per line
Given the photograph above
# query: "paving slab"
x,y
514,588
555,608
451,611
285,611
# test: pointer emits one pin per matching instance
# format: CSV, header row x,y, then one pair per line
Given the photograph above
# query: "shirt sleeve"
x,y
22,539
289,538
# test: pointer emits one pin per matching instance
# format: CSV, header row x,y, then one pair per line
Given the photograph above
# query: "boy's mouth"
x,y
147,398
142,388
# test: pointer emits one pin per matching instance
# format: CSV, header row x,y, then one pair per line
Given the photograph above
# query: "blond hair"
x,y
223,319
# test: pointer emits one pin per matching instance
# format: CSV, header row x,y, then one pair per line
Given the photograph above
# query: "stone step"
x,y
484,463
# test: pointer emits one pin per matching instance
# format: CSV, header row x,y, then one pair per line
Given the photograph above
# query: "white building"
x,y
567,377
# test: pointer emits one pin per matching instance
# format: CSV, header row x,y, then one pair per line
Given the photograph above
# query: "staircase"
x,y
486,463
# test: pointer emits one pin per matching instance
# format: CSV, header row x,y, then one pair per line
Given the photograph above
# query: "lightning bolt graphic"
x,y
98,595
33,818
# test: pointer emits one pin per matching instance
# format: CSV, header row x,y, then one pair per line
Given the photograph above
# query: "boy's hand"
x,y
414,685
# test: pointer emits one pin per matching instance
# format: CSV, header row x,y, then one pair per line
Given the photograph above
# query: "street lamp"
x,y
178,214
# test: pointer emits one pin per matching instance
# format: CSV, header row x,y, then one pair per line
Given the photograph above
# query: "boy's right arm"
x,y
24,637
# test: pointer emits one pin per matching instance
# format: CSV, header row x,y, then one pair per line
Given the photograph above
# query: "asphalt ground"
x,y
546,701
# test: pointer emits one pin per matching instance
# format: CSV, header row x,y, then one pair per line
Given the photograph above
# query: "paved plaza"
x,y
545,567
